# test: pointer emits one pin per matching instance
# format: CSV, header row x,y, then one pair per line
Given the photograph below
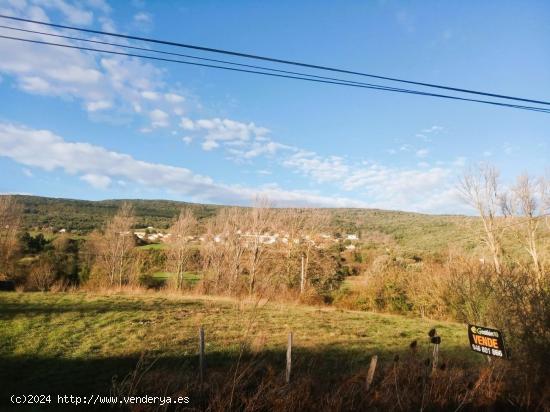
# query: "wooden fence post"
x,y
436,340
372,368
435,356
201,355
288,357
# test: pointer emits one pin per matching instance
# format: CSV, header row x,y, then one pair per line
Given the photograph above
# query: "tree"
x,y
259,221
524,206
33,244
64,256
316,222
291,224
479,188
179,246
42,275
232,221
213,253
113,247
10,218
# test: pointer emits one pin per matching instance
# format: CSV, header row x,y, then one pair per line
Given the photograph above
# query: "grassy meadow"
x,y
75,342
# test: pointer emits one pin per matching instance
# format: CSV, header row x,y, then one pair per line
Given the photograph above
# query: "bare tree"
x,y
259,222
10,217
113,247
213,254
545,198
42,275
479,188
179,244
317,221
290,223
524,206
232,224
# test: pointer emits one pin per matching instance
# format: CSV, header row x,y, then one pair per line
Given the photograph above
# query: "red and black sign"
x,y
487,341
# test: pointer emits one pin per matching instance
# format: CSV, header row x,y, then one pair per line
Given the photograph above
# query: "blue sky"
x,y
84,125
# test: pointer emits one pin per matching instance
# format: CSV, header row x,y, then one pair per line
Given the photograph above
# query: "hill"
x,y
86,215
377,228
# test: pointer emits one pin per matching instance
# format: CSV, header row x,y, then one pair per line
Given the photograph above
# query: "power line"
x,y
381,87
275,60
194,57
310,79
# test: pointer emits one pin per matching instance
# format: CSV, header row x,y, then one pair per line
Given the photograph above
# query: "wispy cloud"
x,y
143,17
111,86
159,118
422,152
242,141
100,167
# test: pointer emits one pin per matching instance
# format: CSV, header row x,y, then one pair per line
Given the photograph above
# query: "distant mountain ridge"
x,y
87,215
413,231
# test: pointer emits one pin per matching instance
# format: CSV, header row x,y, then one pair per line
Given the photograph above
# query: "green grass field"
x,y
77,342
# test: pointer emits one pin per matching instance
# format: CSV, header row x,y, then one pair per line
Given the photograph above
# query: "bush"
x,y
41,276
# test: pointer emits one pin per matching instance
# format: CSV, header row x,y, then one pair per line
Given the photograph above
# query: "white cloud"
x,y
243,141
149,95
385,187
433,129
101,5
130,85
422,152
34,84
174,98
256,149
143,17
27,172
425,133
187,139
209,145
97,181
320,169
99,105
99,167
228,130
187,124
72,13
159,118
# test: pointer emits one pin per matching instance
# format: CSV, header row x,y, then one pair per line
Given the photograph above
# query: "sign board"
x,y
487,341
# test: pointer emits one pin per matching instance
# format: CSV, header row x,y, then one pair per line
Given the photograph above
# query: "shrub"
x,y
41,276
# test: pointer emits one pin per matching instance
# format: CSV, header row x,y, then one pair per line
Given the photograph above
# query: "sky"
x,y
86,125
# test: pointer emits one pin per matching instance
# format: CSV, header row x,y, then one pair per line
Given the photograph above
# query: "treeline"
x,y
83,216
253,251
413,231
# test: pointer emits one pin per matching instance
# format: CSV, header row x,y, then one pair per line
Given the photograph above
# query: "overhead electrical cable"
x,y
193,57
276,60
310,79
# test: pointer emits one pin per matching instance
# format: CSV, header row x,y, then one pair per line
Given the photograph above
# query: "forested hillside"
x,y
85,216
413,231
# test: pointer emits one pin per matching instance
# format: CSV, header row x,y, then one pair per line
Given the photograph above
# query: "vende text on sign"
x,y
487,341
